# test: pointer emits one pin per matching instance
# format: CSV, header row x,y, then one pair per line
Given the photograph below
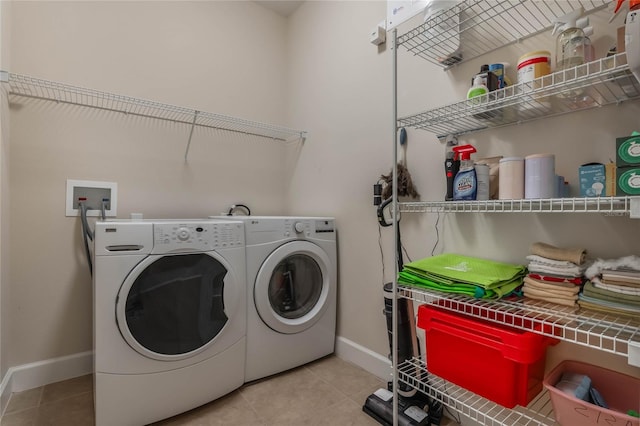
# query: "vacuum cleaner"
x,y
414,407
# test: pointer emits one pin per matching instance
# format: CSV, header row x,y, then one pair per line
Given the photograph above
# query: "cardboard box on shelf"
x,y
628,151
628,181
592,178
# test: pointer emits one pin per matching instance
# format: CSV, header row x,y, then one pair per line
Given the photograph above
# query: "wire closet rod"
x,y
36,88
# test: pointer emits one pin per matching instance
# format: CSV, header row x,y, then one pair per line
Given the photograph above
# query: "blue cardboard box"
x,y
592,178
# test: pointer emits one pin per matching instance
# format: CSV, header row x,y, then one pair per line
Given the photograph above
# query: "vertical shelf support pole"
x,y
193,125
396,224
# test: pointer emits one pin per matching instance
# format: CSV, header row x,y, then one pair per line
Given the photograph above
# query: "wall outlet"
x,y
94,192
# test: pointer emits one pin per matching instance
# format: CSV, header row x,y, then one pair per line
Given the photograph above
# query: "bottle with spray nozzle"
x,y
631,34
571,41
465,183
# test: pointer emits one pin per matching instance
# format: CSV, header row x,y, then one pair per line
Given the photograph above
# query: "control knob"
x,y
183,234
299,227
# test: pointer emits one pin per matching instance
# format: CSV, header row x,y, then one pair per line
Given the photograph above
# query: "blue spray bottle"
x,y
465,183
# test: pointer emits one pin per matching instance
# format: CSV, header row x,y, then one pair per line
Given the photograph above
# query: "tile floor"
x,y
329,392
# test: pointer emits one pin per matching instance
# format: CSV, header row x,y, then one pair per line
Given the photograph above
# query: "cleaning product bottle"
x,y
489,79
465,183
478,88
570,42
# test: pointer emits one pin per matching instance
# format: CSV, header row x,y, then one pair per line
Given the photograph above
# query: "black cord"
x,y
437,235
86,234
242,206
381,251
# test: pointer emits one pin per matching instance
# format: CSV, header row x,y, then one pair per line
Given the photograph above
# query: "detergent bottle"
x,y
465,184
570,44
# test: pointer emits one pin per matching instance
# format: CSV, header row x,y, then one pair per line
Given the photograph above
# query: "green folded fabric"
x,y
408,278
449,268
600,293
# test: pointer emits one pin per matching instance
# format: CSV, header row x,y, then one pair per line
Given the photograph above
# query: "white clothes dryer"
x,y
169,317
292,279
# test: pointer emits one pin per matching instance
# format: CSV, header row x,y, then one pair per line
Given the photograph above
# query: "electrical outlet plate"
x,y
94,192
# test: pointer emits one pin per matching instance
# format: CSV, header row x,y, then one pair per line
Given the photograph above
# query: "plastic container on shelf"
x,y
511,178
539,176
500,363
620,391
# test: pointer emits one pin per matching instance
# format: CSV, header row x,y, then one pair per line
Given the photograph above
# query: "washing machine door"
x,y
292,287
172,307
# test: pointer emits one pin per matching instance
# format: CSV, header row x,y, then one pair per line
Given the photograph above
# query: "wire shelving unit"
x,y
539,412
610,206
30,87
594,84
618,335
472,28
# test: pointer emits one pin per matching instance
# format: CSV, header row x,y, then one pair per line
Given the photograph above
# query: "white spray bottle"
x,y
570,42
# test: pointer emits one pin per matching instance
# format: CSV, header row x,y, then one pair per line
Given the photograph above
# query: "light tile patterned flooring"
x,y
329,392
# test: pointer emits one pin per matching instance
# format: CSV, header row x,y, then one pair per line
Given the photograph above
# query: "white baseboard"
x,y
40,373
373,362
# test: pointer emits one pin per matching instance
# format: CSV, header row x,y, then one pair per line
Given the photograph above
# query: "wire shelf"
x,y
612,206
472,28
594,84
539,411
607,332
30,87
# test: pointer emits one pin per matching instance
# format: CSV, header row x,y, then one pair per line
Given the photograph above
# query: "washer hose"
x,y
87,234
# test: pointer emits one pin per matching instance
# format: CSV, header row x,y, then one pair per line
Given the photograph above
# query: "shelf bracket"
x,y
193,125
634,354
634,208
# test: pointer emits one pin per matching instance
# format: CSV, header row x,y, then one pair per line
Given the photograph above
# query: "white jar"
x,y
511,178
540,176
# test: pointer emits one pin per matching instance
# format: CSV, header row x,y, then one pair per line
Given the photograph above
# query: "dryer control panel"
x,y
196,236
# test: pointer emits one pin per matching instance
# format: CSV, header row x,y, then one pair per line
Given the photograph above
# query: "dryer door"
x,y
292,287
171,307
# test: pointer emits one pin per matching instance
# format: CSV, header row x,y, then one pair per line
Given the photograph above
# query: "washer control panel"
x,y
197,236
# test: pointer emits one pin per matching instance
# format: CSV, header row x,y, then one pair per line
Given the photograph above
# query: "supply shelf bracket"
x,y
193,126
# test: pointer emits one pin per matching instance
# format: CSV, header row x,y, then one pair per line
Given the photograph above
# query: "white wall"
x,y
5,34
222,57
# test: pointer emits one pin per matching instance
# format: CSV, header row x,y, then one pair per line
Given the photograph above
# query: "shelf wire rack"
x,y
610,333
538,412
611,206
590,85
36,88
481,26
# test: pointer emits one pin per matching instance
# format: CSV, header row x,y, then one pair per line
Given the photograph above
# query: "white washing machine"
x,y
169,317
292,290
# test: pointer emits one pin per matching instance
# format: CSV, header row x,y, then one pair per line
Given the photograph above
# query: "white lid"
x,y
504,160
533,156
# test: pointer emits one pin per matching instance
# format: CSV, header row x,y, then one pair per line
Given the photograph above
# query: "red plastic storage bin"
x,y
500,363
621,393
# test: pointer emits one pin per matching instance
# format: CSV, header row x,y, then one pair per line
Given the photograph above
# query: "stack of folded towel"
x,y
555,274
613,286
454,273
